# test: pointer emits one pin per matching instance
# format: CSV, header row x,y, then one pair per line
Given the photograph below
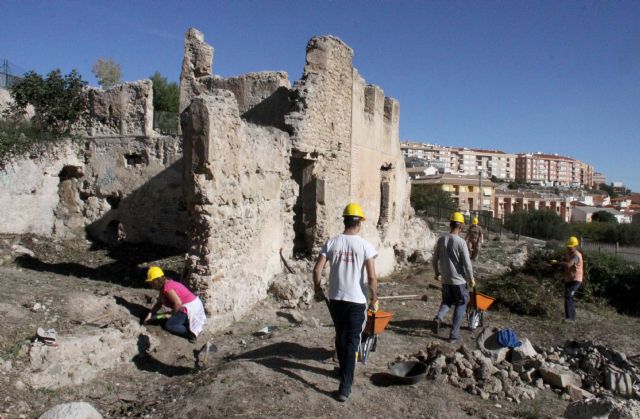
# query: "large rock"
x,y
488,344
524,351
74,410
618,381
603,408
559,376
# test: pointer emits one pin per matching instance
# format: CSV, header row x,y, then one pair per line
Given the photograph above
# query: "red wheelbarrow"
x,y
478,304
376,323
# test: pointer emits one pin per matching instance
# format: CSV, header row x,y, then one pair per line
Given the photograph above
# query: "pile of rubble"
x,y
577,371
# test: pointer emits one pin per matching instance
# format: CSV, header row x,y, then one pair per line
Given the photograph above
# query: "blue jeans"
x,y
178,324
458,296
569,306
349,321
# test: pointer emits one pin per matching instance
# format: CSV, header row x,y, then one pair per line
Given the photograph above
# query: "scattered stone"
x,y
577,393
560,377
75,410
523,351
603,408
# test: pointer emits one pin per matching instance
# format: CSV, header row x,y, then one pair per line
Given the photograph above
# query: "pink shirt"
x,y
183,293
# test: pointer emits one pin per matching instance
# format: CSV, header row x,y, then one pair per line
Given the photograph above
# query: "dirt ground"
x,y
288,372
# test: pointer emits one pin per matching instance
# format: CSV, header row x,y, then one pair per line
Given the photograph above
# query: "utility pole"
x,y
479,190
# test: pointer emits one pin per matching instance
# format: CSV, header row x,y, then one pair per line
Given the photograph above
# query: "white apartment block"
x,y
463,161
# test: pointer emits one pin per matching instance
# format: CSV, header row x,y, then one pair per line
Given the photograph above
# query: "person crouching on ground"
x,y
451,260
186,316
349,256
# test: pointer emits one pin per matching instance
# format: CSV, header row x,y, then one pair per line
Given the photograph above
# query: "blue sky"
x,y
552,76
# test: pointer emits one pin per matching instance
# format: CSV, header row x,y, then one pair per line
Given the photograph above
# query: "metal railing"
x,y
632,254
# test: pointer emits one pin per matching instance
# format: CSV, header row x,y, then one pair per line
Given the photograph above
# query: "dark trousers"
x,y
178,324
454,296
569,305
349,321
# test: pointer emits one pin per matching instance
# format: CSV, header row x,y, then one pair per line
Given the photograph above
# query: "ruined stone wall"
x,y
115,188
240,211
132,190
321,133
379,180
270,168
126,109
29,189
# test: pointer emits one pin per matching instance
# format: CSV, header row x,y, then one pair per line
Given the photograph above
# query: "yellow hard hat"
x,y
457,217
475,220
154,272
572,242
353,210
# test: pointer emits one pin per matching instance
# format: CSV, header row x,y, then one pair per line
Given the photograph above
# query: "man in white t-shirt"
x,y
349,256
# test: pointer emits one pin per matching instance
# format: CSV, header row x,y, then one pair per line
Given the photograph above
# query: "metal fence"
x,y
485,219
166,122
10,74
632,254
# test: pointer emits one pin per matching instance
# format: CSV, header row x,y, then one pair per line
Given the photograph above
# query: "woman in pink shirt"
x,y
186,317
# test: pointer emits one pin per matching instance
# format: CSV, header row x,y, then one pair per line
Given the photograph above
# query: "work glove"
x,y
553,262
472,282
374,305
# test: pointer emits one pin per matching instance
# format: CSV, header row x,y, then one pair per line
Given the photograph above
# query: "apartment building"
x,y
553,170
598,179
464,161
470,193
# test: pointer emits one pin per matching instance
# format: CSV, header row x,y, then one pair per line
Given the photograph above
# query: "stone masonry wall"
x,y
126,109
132,190
254,186
321,131
238,210
29,189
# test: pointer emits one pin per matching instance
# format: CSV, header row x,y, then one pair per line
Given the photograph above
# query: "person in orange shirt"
x,y
574,274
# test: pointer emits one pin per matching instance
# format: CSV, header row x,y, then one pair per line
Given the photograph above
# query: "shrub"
x,y
532,289
58,100
541,224
424,197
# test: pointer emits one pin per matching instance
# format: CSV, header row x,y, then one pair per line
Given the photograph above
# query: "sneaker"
x,y
341,397
454,340
192,338
436,325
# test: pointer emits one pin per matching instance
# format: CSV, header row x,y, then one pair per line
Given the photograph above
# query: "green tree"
x,y
107,72
166,95
604,217
427,196
58,101
608,189
541,224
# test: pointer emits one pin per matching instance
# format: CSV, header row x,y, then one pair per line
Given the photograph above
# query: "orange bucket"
x,y
481,301
382,319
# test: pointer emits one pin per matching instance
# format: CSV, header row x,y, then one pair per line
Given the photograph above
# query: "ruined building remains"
x,y
260,174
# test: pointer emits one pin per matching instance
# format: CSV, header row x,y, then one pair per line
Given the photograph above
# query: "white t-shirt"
x,y
346,255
